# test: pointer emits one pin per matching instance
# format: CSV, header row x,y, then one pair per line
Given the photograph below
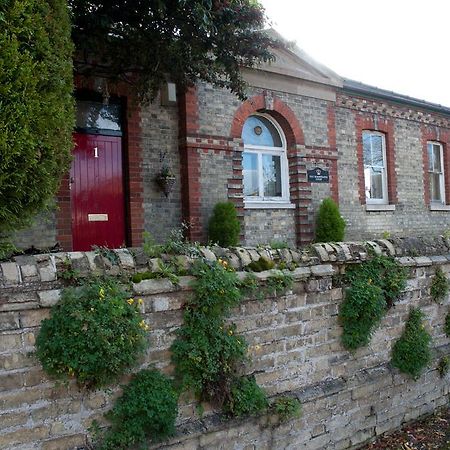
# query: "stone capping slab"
x,y
47,268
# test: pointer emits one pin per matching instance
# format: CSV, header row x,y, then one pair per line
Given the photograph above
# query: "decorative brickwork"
x,y
436,134
386,126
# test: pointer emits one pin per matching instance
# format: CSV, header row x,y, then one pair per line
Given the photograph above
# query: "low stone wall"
x,y
294,348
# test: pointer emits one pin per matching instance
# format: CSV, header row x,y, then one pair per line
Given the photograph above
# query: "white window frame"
x,y
384,181
269,202
441,173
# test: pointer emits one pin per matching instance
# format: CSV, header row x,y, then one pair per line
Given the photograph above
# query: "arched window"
x,y
265,166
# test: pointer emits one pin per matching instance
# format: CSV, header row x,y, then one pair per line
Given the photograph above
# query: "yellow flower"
x,y
130,301
140,301
101,293
143,325
230,332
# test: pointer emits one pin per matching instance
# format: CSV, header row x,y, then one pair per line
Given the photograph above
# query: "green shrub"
x,y
361,311
260,265
207,350
411,353
36,106
95,333
443,366
330,226
439,286
447,325
224,226
147,409
383,271
246,398
286,408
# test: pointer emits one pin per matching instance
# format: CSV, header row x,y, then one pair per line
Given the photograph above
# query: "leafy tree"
x,y
148,41
330,226
36,106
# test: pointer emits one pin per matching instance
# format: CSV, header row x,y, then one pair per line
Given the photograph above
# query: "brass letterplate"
x,y
98,217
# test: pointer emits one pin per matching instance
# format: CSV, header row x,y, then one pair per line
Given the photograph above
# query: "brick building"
x,y
383,158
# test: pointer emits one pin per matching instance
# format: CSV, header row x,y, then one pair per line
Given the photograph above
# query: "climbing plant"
x,y
411,353
207,350
439,286
372,288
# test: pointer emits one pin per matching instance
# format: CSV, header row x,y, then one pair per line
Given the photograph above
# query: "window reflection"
x,y
97,115
250,172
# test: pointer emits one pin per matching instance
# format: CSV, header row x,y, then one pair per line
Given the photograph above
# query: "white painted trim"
x,y
268,205
439,207
379,207
284,166
441,173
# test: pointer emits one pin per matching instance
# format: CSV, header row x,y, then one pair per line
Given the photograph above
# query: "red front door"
x,y
97,192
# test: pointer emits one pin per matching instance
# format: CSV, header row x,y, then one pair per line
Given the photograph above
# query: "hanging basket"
x,y
166,183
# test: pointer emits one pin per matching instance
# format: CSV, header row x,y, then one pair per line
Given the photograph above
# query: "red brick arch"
x,y
280,112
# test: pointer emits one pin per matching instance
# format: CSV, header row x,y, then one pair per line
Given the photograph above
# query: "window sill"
x,y
439,207
379,207
268,205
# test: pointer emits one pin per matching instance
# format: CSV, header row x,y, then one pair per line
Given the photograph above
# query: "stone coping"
x,y
315,260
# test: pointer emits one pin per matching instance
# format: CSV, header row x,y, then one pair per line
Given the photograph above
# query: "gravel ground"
x,y
432,432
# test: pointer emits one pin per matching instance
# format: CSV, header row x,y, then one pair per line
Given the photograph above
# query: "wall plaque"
x,y
318,175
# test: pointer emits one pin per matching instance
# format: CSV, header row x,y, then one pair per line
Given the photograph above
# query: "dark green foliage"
x,y
447,325
411,353
207,350
439,286
246,398
374,286
330,226
383,271
147,409
36,106
279,283
286,408
260,265
443,366
360,313
183,41
224,226
95,333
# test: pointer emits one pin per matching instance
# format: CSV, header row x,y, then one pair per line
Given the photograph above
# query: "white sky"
x,y
399,45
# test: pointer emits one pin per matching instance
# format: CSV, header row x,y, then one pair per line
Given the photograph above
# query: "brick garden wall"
x,y
294,346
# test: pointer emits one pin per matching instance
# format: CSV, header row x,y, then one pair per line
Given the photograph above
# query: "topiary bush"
x,y
224,226
447,325
147,408
330,226
37,108
411,353
94,334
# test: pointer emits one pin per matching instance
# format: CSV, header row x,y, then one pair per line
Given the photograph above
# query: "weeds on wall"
x,y
439,286
147,410
411,353
443,366
373,287
207,351
94,334
286,408
447,325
